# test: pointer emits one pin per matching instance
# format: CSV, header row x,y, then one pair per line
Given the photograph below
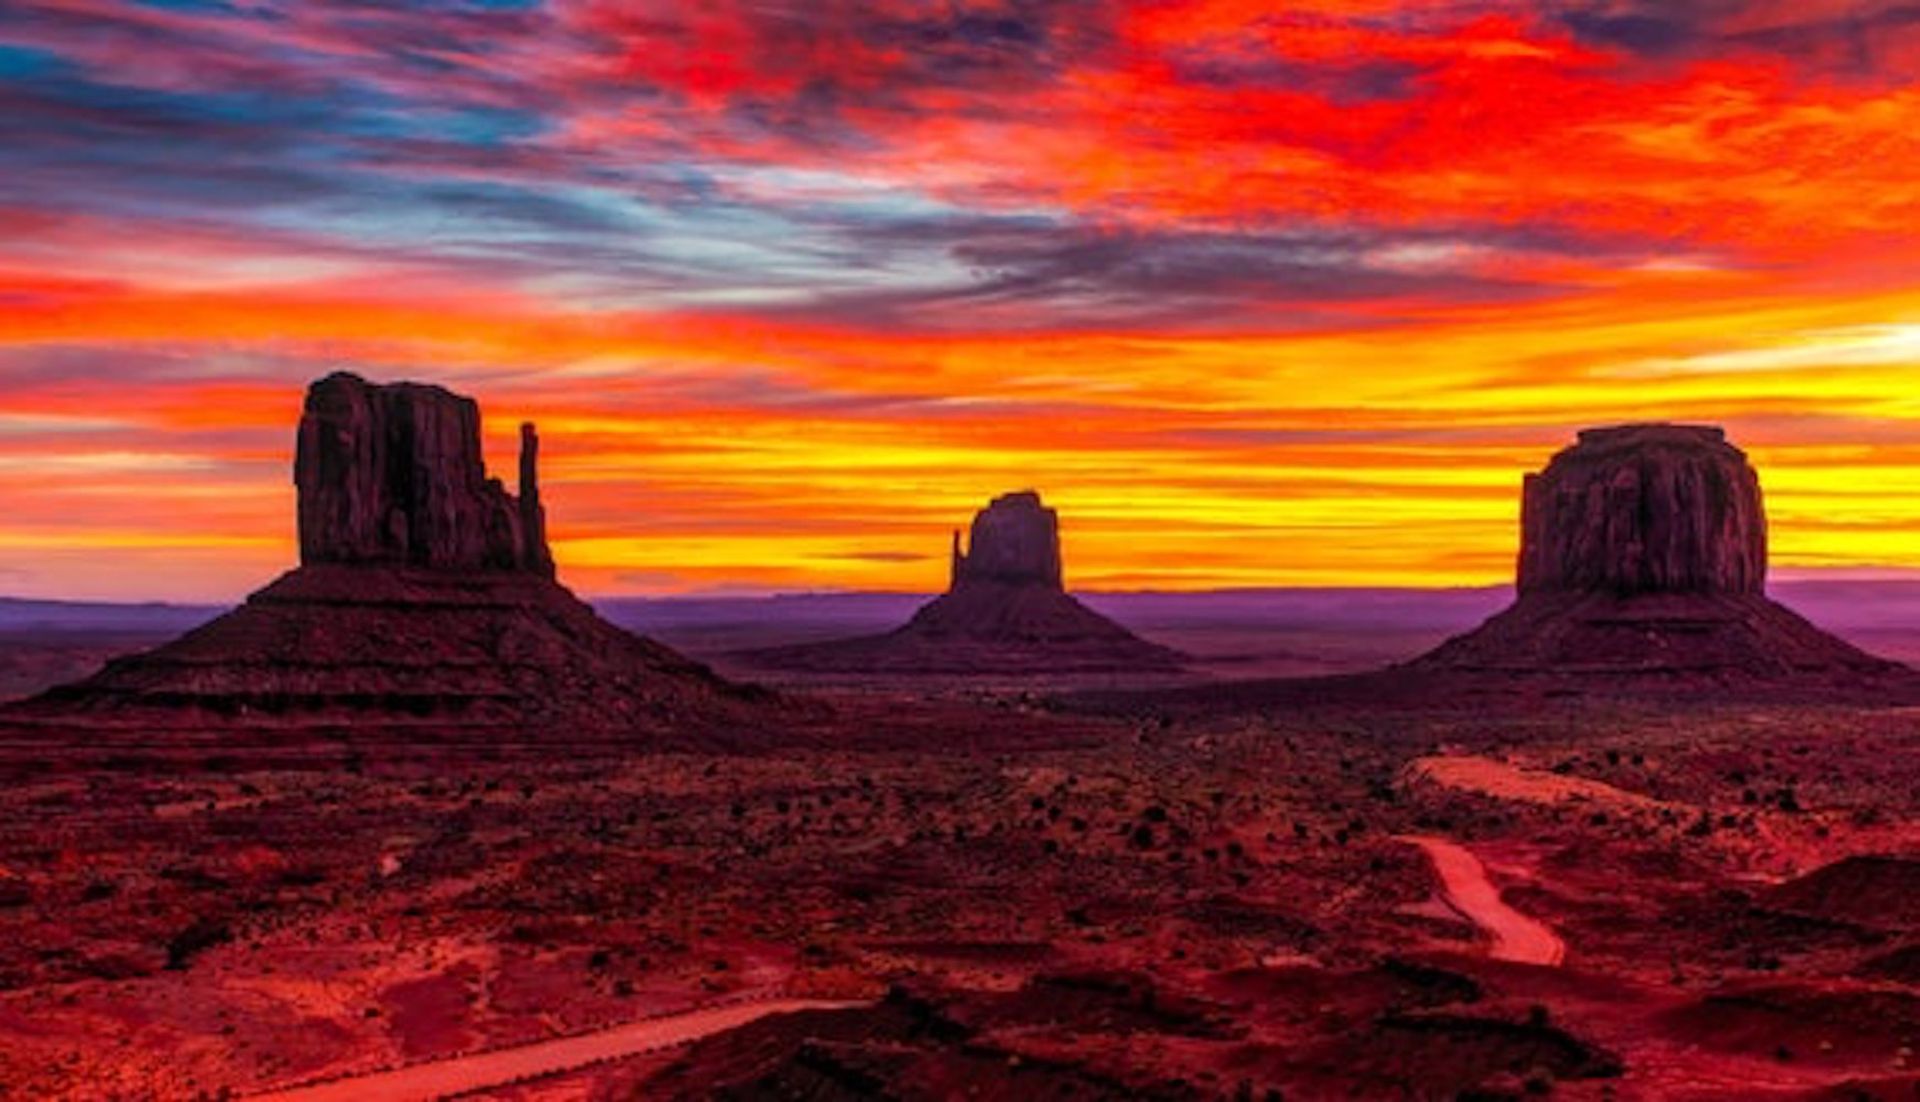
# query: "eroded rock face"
x,y
1644,561
425,603
1007,611
1015,541
533,516
393,476
1645,509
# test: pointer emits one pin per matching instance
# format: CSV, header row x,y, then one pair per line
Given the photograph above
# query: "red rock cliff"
x,y
393,476
1015,541
1645,509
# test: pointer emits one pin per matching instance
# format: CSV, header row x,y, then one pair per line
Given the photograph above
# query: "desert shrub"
x,y
199,936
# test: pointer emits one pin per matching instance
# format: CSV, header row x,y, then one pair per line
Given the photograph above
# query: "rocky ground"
x,y
1122,906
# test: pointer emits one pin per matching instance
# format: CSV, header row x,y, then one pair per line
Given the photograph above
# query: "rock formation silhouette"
x,y
425,598
1015,541
1645,509
1644,553
1006,611
1641,574
393,476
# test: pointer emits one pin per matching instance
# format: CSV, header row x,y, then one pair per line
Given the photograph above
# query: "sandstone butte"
x,y
1006,611
1644,553
393,476
425,600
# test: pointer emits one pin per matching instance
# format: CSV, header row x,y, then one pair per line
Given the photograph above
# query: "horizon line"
x,y
1887,575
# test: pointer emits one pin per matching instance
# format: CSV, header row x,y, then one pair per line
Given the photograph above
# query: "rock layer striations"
x,y
393,476
1644,553
1015,541
425,599
1645,509
1006,612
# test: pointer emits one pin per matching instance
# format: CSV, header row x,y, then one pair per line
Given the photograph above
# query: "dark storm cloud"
x,y
1868,40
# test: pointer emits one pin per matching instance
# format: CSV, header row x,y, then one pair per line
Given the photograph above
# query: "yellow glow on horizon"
x,y
1377,455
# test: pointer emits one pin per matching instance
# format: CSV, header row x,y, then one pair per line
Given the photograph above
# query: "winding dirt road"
x,y
464,1074
1464,883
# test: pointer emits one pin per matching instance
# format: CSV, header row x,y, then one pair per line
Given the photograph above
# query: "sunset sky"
x,y
1256,293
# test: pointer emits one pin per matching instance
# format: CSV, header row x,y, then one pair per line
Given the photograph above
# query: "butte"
x,y
1642,573
1643,558
1006,612
425,600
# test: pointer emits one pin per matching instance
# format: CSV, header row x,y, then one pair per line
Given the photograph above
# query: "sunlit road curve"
x,y
464,1074
1516,937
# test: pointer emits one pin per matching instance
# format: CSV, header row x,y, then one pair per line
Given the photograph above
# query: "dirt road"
x,y
1463,879
448,1078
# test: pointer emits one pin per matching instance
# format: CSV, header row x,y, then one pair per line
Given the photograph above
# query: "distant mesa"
x,y
1015,541
1006,611
1644,554
425,599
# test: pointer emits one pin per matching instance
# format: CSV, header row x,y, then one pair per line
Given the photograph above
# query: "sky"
x,y
1255,293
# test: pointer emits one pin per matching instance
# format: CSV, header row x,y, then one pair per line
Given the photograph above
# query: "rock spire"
x,y
393,476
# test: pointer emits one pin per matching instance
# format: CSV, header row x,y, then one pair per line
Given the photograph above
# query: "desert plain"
x,y
1010,893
